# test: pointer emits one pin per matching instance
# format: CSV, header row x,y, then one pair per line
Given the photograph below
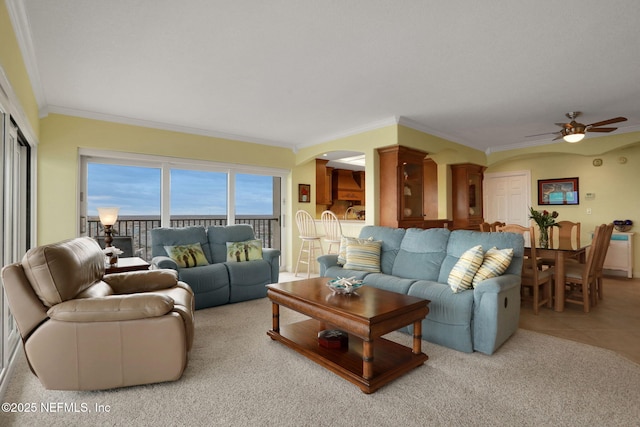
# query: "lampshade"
x,y
108,216
573,137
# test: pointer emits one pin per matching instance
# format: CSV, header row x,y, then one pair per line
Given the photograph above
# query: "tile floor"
x,y
613,324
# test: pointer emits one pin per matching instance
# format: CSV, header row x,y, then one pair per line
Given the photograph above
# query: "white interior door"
x,y
507,197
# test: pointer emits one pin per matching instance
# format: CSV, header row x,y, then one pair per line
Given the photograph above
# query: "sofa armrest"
x,y
112,308
269,254
496,311
327,261
496,285
160,262
141,281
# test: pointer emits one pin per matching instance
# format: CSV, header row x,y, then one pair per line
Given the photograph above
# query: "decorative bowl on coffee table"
x,y
344,285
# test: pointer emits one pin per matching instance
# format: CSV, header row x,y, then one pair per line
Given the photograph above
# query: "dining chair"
x,y
310,241
332,230
602,254
487,227
567,235
580,279
532,276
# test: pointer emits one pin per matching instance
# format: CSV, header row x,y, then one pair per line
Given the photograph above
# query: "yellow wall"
x,y
613,183
12,63
62,137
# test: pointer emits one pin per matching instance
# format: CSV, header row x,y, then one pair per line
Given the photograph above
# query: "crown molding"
x,y
350,132
15,110
53,109
21,27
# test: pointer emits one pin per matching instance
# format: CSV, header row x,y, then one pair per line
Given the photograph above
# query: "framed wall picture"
x,y
560,191
304,193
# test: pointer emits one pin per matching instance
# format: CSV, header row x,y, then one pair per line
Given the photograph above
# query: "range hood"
x,y
345,187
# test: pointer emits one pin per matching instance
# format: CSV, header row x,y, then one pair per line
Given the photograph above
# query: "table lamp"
x,y
108,217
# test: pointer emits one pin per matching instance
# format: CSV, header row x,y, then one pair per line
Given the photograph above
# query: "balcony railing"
x,y
265,228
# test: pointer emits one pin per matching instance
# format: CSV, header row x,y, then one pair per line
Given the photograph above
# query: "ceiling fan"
x,y
574,131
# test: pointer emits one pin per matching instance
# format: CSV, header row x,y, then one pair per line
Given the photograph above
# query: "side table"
x,y
128,264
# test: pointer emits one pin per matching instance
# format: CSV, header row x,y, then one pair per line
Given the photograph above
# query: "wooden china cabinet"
x,y
401,187
466,180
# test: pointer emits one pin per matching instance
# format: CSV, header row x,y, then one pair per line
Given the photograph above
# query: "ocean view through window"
x,y
191,197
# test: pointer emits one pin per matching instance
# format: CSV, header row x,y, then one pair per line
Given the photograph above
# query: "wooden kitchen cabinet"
x,y
401,187
466,181
323,183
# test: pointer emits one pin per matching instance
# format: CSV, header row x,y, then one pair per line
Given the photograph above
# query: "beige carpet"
x,y
237,376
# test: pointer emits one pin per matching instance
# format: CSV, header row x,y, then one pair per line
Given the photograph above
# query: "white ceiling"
x,y
300,72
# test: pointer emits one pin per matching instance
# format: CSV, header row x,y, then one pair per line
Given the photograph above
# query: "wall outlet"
x,y
588,211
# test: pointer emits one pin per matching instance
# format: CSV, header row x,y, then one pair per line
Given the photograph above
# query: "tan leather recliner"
x,y
82,330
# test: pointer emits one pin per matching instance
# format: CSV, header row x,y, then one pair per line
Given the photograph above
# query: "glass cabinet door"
x,y
412,190
475,195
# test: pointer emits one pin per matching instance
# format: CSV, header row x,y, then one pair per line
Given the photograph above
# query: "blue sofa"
x,y
220,282
418,262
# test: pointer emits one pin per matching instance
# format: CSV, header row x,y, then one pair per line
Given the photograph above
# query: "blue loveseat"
x,y
418,262
219,282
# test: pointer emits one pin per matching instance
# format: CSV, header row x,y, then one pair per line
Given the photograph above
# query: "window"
x,y
152,192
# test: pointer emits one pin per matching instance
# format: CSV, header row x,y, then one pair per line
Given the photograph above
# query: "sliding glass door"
x,y
153,192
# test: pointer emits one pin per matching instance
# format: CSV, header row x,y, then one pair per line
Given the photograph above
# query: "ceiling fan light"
x,y
573,137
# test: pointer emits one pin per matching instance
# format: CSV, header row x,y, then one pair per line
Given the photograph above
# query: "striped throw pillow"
x,y
462,273
364,255
496,261
344,242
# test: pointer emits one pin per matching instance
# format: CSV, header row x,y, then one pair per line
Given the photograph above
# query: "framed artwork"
x,y
560,191
304,193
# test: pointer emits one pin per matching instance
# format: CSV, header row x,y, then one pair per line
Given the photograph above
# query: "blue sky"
x,y
136,191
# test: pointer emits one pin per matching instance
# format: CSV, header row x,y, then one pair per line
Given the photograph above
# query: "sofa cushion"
x,y
337,271
249,250
421,253
363,255
161,237
248,280
388,282
391,239
462,273
187,255
445,306
219,236
495,262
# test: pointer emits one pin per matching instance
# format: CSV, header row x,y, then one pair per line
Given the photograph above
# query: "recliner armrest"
x,y
141,281
498,284
162,261
270,253
112,308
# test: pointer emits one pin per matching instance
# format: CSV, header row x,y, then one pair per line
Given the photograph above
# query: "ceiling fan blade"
x,y
601,129
557,137
562,124
608,122
540,134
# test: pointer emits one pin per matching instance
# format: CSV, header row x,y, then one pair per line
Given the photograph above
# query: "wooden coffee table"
x,y
370,361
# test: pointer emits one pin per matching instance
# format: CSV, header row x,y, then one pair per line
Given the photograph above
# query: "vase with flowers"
x,y
544,219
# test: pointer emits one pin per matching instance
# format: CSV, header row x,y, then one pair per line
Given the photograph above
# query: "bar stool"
x,y
332,230
310,240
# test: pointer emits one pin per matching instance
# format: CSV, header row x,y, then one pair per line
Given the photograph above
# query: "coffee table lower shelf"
x,y
390,360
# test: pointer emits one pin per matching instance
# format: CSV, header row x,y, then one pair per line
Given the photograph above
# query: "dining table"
x,y
559,255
